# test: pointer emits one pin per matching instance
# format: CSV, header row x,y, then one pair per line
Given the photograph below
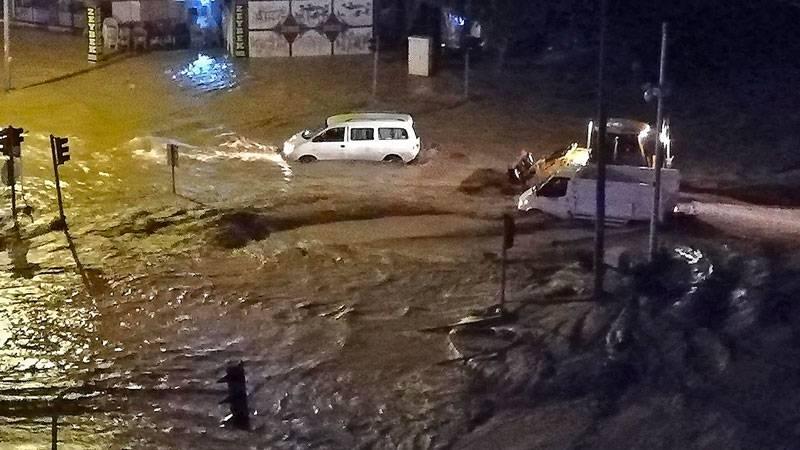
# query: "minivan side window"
x,y
556,187
331,135
362,134
392,133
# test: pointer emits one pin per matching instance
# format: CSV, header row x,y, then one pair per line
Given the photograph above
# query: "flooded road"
x,y
321,278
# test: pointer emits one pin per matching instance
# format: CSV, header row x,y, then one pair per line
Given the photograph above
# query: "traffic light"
x,y
237,396
4,142
62,149
11,139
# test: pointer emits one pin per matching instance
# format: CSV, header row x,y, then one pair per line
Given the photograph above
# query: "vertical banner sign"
x,y
93,21
240,30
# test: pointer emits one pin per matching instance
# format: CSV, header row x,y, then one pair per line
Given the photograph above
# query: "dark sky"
x,y
712,34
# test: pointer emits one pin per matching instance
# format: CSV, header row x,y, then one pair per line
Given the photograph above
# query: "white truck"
x,y
571,193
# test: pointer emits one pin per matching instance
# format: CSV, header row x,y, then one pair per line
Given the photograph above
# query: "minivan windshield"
x,y
309,133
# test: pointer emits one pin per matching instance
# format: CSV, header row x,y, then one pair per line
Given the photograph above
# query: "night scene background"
x,y
363,298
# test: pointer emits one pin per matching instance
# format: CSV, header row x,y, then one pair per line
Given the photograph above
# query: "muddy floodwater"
x,y
334,283
318,277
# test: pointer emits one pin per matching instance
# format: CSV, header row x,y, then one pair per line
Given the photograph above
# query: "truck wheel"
x,y
394,159
305,159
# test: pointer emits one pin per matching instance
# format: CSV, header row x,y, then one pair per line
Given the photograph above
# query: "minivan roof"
x,y
361,117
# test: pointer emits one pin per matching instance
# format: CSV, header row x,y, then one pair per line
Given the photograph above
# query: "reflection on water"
x,y
206,74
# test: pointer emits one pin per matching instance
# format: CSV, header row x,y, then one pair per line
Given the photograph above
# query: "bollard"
x,y
237,396
54,433
509,230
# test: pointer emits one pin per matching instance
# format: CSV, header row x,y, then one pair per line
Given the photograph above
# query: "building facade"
x,y
287,28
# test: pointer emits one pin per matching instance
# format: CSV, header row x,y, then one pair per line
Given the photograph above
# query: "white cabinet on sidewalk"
x,y
420,55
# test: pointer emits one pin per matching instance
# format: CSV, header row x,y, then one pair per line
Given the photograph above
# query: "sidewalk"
x,y
39,55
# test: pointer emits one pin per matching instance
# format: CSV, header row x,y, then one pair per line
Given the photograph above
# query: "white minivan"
x,y
359,136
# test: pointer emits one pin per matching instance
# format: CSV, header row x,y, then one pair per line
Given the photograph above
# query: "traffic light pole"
x,y
61,216
13,181
7,43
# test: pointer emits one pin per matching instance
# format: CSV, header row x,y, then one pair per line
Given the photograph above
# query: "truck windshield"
x,y
554,187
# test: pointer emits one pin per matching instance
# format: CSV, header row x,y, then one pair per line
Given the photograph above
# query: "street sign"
x,y
240,40
93,26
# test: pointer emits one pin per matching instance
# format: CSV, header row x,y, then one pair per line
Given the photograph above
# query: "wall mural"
x,y
267,15
267,43
309,27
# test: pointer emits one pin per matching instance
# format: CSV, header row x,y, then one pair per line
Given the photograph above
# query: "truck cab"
x,y
571,193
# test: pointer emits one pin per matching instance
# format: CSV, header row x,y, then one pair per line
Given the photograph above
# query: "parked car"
x,y
359,136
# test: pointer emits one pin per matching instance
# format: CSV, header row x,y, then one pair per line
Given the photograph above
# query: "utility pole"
x,y
655,217
466,43
466,72
7,43
599,225
375,59
376,54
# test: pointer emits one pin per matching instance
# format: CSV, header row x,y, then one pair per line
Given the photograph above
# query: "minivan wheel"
x,y
305,159
394,159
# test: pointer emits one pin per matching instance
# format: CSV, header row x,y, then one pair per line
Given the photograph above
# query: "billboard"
x,y
309,27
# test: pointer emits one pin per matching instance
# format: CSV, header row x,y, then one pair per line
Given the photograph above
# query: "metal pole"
x,y
376,55
58,182
375,58
503,278
466,72
7,43
466,42
54,433
655,216
13,181
599,225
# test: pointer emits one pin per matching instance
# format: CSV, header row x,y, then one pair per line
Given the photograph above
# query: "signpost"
x,y
172,161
